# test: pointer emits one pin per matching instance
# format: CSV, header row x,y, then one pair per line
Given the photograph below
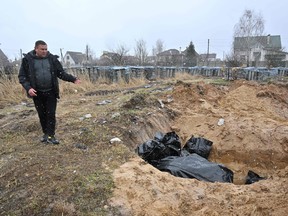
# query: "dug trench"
x,y
242,143
253,136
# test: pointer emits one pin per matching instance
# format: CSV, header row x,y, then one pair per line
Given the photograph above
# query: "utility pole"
x,y
87,53
62,58
207,57
21,56
181,55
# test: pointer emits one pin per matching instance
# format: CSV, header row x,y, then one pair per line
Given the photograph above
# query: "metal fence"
x,y
115,73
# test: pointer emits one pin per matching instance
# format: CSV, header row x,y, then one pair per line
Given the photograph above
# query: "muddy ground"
x,y
88,175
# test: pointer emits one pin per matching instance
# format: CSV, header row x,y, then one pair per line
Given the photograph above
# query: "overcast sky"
x,y
106,24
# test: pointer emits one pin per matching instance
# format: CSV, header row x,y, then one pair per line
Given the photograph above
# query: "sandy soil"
x,y
254,137
37,179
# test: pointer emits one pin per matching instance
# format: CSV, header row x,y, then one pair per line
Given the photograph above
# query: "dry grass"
x,y
49,180
12,92
183,76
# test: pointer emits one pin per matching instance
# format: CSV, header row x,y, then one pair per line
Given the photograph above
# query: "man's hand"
x,y
32,92
77,81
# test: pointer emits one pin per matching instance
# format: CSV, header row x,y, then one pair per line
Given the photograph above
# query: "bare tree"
x,y
141,51
232,60
246,31
90,55
119,54
159,47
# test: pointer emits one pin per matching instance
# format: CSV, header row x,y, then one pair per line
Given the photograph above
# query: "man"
x,y
38,74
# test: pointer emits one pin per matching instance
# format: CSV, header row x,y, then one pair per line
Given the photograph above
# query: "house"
x,y
171,57
74,59
207,57
260,50
111,58
3,59
5,65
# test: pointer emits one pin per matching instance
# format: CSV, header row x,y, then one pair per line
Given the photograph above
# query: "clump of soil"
x,y
139,101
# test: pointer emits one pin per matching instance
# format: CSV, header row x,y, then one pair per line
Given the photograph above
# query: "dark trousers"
x,y
45,104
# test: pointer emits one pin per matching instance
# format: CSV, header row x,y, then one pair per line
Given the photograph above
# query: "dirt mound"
x,y
139,101
144,190
254,137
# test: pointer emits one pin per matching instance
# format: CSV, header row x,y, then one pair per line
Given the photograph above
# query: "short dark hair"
x,y
40,42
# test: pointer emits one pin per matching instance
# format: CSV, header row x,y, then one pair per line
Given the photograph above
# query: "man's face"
x,y
41,51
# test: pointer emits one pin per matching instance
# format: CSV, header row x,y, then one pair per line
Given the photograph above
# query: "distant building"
x,y
208,60
108,59
130,60
171,57
207,57
74,59
111,58
260,50
5,65
3,59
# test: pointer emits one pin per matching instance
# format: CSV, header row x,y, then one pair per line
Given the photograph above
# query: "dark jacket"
x,y
27,74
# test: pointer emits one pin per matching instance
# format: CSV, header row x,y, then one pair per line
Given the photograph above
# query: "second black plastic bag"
x,y
195,166
198,145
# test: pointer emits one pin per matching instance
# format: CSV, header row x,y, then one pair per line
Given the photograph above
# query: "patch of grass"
x,y
12,136
116,155
63,208
218,81
183,76
93,191
11,90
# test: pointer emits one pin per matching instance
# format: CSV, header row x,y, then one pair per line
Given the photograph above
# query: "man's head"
x,y
41,48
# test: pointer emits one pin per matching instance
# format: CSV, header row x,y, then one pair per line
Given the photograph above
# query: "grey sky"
x,y
105,24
